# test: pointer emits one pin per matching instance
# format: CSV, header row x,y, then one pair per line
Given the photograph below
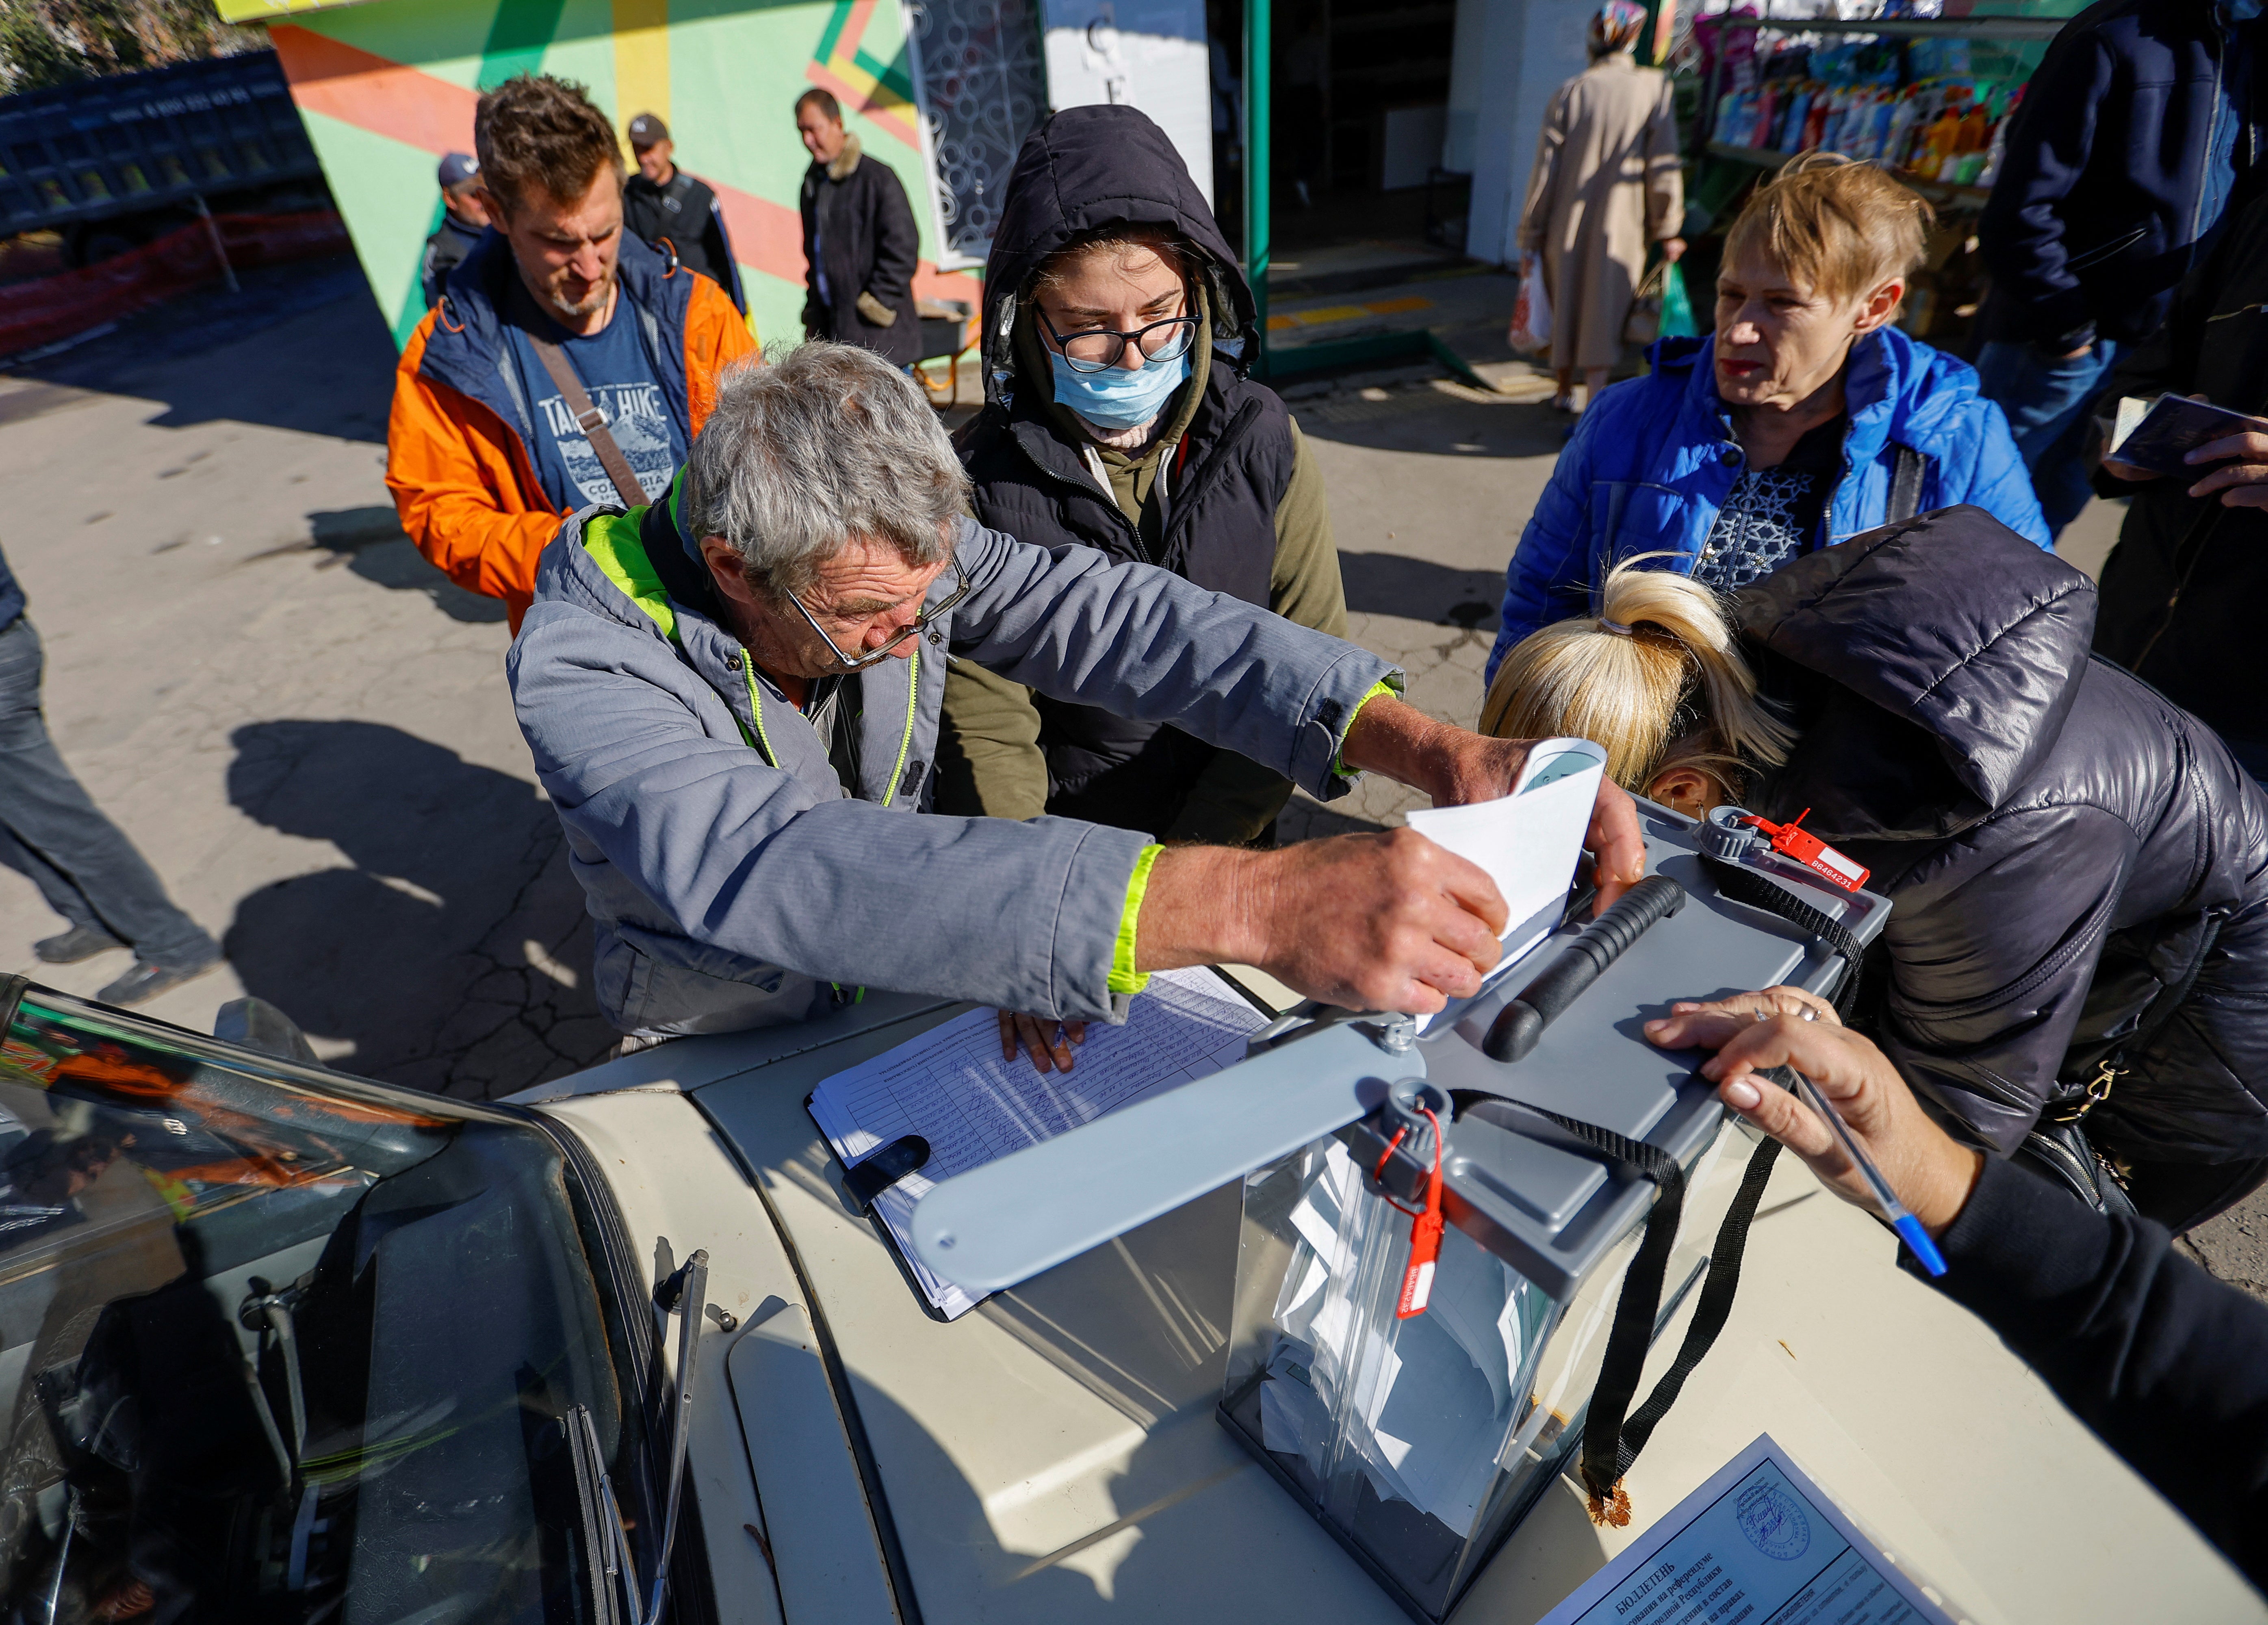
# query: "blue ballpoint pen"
x,y
1909,1228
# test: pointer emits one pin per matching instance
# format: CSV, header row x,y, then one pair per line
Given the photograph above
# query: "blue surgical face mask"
x,y
1118,397
2240,10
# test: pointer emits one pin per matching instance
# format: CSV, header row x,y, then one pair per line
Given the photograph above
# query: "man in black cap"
x,y
463,218
860,246
662,204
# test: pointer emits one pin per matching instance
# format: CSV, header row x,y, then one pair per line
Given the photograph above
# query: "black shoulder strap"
x,y
1613,1434
1906,476
588,418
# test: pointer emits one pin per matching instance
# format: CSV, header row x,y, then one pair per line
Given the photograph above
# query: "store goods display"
x,y
1935,110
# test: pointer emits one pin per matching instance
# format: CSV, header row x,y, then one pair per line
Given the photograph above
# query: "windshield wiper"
x,y
606,1547
693,1305
606,1538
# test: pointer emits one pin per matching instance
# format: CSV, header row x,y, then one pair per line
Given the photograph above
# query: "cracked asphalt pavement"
x,y
306,728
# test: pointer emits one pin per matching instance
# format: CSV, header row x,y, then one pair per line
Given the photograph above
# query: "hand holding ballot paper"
x,y
1528,841
1414,923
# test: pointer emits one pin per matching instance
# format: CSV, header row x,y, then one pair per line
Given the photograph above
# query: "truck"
x,y
109,164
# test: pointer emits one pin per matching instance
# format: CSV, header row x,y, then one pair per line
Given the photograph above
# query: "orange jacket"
x,y
460,473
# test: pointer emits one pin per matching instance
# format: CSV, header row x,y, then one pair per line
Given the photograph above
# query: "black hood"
x,y
1089,167
1930,666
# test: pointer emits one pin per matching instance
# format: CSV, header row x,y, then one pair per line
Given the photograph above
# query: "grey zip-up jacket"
x,y
735,882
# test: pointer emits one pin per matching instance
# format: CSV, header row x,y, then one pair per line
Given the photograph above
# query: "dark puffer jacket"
x,y
11,596
2064,845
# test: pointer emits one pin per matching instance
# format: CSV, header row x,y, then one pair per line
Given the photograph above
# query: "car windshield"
x,y
280,1345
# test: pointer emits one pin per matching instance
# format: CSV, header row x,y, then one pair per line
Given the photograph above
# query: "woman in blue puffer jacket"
x,y
1805,418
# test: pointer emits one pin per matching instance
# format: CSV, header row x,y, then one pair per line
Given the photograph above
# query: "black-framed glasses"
x,y
1098,350
913,628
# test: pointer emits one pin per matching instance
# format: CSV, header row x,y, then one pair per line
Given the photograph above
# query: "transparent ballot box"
x,y
1437,1216
1420,1440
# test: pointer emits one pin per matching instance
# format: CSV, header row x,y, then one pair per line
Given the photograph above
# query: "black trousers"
x,y
51,831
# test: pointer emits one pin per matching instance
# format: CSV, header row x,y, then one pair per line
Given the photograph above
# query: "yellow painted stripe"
x,y
870,89
1326,315
641,60
262,11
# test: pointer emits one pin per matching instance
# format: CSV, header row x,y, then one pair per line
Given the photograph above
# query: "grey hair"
x,y
814,446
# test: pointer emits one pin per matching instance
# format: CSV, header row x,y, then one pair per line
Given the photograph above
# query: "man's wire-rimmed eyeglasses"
x,y
1098,350
913,628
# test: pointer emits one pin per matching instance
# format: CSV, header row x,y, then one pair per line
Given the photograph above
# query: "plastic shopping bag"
x,y
1531,308
1676,309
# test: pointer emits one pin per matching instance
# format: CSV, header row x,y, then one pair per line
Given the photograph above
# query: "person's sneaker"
x,y
81,942
144,981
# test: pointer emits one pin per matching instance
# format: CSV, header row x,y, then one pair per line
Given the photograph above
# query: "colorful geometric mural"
x,y
386,87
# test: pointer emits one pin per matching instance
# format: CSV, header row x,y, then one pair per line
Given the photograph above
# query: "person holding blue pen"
x,y
1884,1197
2168,1366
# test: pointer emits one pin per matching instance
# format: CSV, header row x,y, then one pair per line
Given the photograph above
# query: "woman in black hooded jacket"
x,y
2079,944
1182,463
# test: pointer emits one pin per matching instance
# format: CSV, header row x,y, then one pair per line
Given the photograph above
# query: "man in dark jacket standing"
x,y
860,246
2183,591
463,219
1123,330
664,204
2133,136
52,833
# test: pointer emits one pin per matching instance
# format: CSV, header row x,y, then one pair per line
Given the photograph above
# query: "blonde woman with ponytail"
x,y
2063,846
1655,678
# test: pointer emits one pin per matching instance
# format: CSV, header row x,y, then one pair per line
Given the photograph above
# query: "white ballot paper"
x,y
1529,841
1762,1542
1425,1409
951,1087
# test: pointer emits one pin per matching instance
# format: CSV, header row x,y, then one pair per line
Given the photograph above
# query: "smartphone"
x,y
2169,428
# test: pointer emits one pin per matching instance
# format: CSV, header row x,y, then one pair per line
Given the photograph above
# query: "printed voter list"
x,y
1759,1544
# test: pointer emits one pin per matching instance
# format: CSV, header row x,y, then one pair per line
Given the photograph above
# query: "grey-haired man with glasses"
x,y
733,699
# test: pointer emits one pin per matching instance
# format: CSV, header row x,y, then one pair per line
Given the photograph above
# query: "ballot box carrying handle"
x,y
1613,1434
1519,1024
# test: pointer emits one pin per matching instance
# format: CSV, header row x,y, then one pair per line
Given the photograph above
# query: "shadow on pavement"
x,y
1404,415
370,543
1305,819
453,954
301,347
1394,583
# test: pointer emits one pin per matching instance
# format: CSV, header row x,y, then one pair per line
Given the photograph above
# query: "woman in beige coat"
x,y
1606,183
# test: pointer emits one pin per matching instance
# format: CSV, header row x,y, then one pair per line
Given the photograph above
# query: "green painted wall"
x,y
733,72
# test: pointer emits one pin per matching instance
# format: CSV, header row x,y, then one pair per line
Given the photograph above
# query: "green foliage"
x,y
50,42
